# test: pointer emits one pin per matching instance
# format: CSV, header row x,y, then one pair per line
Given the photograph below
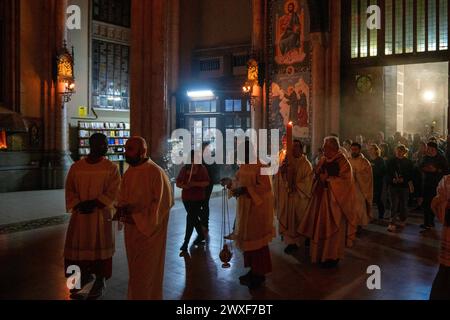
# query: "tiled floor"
x,y
31,266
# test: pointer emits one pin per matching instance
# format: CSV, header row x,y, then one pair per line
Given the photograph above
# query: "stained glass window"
x,y
110,75
373,37
432,25
398,26
116,12
110,54
388,33
420,25
443,25
409,26
363,29
355,34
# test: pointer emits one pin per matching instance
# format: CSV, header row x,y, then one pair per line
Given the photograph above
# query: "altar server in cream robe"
x,y
362,172
92,186
293,199
144,204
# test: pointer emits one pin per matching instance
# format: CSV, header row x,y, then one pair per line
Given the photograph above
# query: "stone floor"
x,y
31,266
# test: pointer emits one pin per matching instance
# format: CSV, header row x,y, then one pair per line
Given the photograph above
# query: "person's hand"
x,y
86,207
186,186
226,182
99,204
239,192
122,211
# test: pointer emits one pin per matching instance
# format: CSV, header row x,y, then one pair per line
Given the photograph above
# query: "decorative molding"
x,y
111,33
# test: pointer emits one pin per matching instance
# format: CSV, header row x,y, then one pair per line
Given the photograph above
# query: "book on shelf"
x,y
116,132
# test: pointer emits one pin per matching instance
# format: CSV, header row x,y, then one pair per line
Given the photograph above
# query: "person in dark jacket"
x,y
193,179
379,173
434,166
399,176
204,213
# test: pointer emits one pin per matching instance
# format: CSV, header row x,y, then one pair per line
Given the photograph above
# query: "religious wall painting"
x,y
290,33
290,101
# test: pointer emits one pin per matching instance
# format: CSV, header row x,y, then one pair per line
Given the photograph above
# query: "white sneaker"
x,y
391,228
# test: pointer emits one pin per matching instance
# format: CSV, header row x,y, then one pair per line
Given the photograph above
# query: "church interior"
x,y
369,74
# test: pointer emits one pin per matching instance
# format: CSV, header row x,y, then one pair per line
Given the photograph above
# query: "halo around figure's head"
x,y
293,2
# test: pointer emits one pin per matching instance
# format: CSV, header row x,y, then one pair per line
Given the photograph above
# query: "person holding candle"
x,y
293,196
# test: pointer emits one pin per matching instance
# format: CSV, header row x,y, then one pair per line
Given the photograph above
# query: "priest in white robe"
x,y
330,221
144,204
293,194
91,189
363,177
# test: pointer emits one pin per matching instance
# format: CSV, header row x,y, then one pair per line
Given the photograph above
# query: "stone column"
x,y
257,111
56,161
318,89
149,85
173,47
335,66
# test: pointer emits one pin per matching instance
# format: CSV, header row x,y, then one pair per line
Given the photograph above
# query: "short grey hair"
x,y
334,141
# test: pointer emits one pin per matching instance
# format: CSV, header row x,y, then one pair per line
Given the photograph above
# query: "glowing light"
x,y
428,95
200,94
246,89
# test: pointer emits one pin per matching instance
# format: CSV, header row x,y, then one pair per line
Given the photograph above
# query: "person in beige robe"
x,y
363,177
441,207
91,188
145,201
330,221
293,199
254,228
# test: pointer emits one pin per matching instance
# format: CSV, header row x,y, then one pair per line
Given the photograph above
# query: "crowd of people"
x,y
406,170
321,204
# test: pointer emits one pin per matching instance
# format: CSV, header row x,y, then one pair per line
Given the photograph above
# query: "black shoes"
x,y
184,247
245,279
251,280
330,264
199,240
84,281
98,289
291,249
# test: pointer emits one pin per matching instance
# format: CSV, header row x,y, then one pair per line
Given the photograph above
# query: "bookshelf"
x,y
118,134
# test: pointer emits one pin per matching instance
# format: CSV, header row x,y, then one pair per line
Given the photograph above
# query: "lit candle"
x,y
289,153
289,140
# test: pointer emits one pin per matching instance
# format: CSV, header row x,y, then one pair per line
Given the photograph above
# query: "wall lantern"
x,y
252,77
65,73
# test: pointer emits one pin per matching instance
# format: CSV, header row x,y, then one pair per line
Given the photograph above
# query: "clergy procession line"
x,y
322,206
